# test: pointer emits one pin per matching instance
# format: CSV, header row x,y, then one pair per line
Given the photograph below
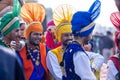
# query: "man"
x,y
51,41
108,45
33,54
10,67
95,58
113,62
62,16
9,26
9,63
76,60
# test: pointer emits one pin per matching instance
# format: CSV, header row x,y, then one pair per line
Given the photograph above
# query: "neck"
x,y
64,47
79,41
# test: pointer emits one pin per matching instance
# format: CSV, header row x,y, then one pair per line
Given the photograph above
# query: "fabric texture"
x,y
115,19
33,14
50,24
51,41
62,18
83,21
10,20
28,65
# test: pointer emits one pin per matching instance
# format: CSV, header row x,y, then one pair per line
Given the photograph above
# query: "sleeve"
x,y
82,66
53,66
112,71
98,60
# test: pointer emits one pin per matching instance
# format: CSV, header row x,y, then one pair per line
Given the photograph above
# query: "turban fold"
x,y
33,14
115,19
10,20
82,21
50,24
62,18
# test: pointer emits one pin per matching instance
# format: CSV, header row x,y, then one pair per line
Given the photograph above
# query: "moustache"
x,y
68,41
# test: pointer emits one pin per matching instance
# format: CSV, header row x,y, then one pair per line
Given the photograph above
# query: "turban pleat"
x,y
33,14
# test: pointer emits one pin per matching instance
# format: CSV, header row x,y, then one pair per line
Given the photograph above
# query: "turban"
x,y
82,21
62,18
10,20
50,24
115,19
33,14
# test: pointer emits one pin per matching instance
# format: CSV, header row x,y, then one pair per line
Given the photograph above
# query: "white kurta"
x,y
112,71
79,59
53,65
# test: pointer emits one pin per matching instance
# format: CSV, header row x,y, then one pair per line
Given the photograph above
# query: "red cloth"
x,y
116,62
115,19
50,40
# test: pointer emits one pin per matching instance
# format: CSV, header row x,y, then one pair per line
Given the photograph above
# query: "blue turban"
x,y
82,21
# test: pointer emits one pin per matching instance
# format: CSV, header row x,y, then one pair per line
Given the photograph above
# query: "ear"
x,y
95,9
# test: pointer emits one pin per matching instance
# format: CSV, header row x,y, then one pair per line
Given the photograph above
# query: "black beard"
x,y
67,42
32,43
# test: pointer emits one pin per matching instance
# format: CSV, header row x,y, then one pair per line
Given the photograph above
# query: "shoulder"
x,y
56,50
8,53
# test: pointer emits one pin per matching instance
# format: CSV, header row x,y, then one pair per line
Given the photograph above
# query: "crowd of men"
x,y
65,52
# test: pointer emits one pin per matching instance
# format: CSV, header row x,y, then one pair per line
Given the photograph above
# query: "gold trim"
x,y
87,27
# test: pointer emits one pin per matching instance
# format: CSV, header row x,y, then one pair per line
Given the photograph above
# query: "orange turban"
x,y
33,14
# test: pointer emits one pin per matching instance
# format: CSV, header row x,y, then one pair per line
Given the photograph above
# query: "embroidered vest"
x,y
68,62
27,63
58,52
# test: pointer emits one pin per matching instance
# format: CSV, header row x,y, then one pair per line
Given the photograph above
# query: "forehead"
x,y
67,33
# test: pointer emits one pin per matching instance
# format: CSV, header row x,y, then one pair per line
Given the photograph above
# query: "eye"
x,y
17,30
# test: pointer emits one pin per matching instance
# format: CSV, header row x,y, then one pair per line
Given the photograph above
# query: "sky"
x,y
107,7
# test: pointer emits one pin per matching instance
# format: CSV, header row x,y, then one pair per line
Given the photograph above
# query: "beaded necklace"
x,y
5,43
34,55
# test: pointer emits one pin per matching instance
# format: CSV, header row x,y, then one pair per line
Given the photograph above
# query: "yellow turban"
x,y
62,18
33,14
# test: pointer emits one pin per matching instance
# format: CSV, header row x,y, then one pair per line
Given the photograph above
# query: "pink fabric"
x,y
115,19
50,40
50,23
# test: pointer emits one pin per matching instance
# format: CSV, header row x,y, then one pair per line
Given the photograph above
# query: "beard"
x,y
67,42
32,42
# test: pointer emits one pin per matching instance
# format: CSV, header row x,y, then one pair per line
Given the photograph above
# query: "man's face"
x,y
66,38
35,38
87,47
22,28
117,2
14,35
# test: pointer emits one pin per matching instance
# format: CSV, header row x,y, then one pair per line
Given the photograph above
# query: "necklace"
x,y
5,43
34,55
